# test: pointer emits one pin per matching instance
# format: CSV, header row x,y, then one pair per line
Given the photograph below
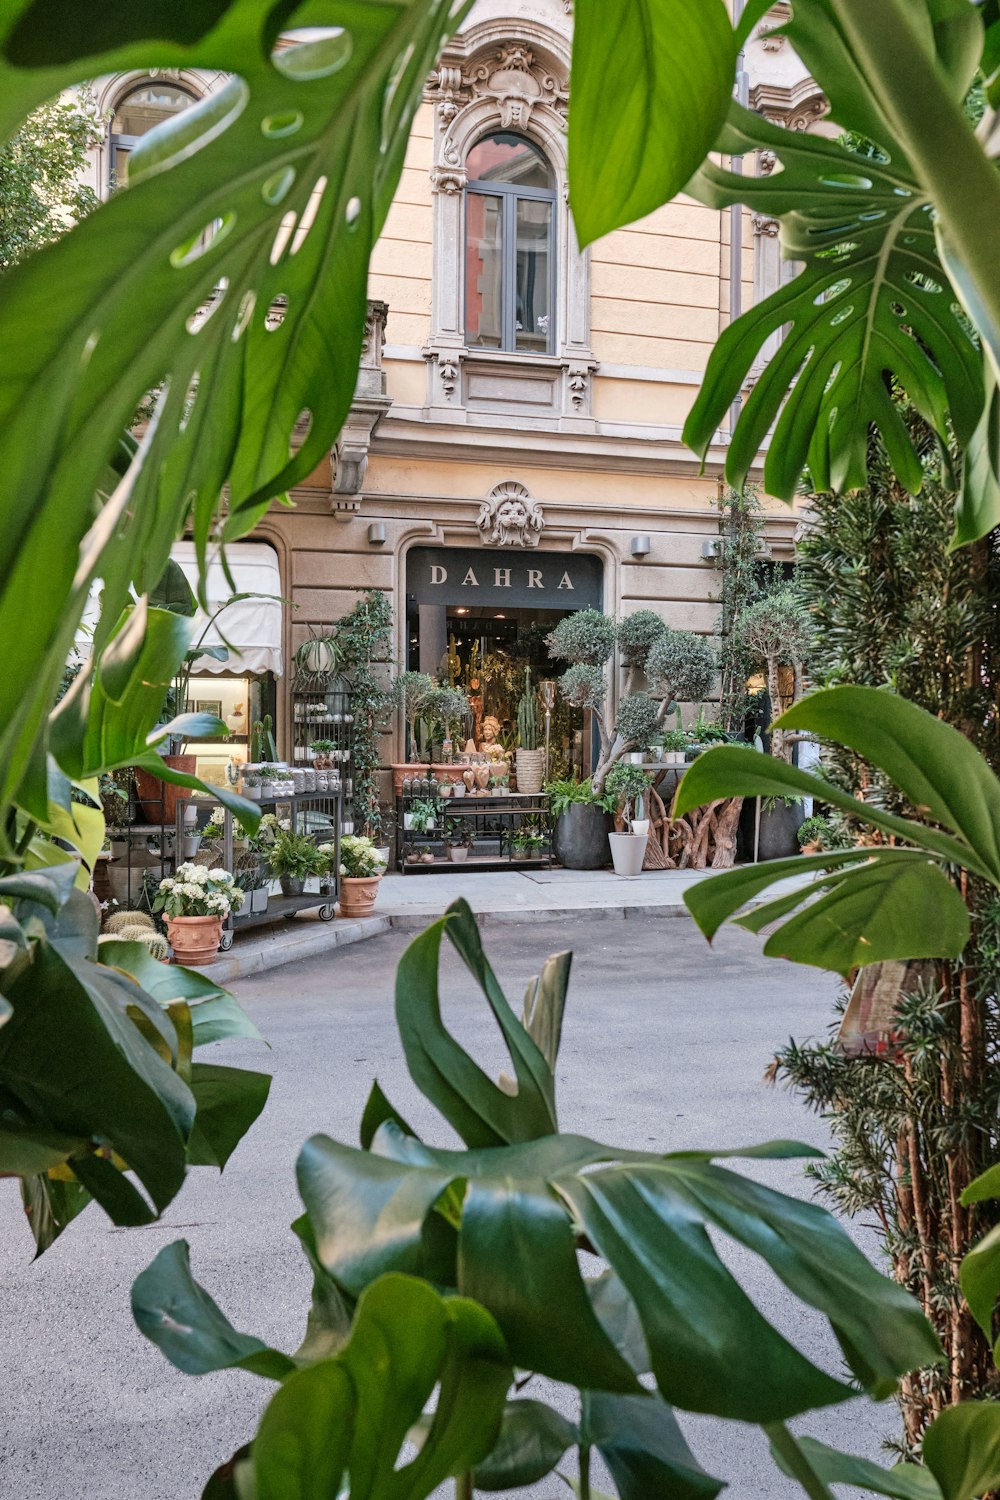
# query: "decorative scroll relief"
x,y
509,517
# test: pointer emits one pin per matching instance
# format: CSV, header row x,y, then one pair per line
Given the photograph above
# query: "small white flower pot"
x,y
628,850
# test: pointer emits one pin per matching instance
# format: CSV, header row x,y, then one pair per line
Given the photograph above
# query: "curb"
x,y
416,921
286,947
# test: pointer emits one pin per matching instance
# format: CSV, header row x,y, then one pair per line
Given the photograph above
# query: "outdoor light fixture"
x,y
640,546
376,533
461,610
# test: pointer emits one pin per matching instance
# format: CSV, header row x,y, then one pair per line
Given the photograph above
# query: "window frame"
x,y
509,193
128,143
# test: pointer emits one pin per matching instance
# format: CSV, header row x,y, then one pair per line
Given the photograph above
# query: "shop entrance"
x,y
478,619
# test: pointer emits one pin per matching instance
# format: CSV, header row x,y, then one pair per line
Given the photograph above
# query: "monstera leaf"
x,y
872,299
229,276
871,902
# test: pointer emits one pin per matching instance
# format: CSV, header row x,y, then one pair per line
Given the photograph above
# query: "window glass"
x,y
140,110
484,271
510,216
534,227
510,159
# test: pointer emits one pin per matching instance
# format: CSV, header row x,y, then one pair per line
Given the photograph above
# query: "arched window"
x,y
509,251
145,105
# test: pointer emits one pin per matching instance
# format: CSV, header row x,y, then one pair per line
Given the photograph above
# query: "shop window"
x,y
144,106
509,252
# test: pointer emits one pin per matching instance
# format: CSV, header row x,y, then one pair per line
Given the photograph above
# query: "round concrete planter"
x,y
628,850
581,840
358,897
530,771
779,826
195,940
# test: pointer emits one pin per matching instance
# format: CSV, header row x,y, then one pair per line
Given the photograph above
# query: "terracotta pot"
x,y
406,768
159,799
195,940
357,896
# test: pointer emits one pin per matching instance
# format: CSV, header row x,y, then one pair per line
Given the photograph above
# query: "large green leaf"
x,y
980,1278
504,1224
533,1438
216,1015
351,1415
182,1320
644,1448
873,298
867,904
480,1111
902,1482
169,285
229,1100
650,88
961,1448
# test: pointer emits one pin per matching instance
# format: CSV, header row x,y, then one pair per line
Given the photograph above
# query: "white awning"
x,y
252,627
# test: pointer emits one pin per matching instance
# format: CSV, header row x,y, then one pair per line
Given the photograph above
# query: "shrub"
x,y
584,687
625,783
586,638
681,667
638,719
638,634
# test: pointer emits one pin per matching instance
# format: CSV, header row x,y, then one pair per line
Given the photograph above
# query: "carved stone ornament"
x,y
508,517
511,75
763,225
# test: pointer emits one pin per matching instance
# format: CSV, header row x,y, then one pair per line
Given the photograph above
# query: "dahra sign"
x,y
462,575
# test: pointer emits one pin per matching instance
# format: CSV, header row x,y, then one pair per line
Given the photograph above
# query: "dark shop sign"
x,y
522,579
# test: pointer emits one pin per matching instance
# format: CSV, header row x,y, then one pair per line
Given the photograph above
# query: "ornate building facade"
x,y
515,442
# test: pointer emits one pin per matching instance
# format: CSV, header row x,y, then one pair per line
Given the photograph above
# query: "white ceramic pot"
x,y
635,757
640,827
457,854
628,850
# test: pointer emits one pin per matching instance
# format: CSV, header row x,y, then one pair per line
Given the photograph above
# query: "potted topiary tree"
x,y
679,667
629,786
412,689
777,631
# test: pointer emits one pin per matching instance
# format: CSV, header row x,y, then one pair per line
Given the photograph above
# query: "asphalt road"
x,y
665,1045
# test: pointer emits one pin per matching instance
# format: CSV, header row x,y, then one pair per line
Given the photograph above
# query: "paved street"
x,y
664,1047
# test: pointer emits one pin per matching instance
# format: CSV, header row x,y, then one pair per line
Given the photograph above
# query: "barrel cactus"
x,y
119,920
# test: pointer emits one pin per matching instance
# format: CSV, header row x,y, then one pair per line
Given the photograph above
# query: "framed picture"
x,y
189,706
209,706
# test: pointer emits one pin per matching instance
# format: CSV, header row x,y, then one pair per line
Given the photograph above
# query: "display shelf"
x,y
335,723
279,906
494,820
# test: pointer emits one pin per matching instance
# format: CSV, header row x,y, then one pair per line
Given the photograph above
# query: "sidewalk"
x,y
409,902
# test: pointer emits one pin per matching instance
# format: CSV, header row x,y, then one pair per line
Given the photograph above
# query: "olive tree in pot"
x,y
412,690
777,630
679,667
629,787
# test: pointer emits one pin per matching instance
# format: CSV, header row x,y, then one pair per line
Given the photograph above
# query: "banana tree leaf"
x,y
229,1100
533,1438
873,297
351,1415
902,1482
961,1448
369,1215
934,765
77,1062
480,1111
644,1448
272,190
182,1320
650,89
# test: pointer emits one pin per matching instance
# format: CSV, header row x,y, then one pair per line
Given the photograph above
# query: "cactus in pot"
x,y
530,760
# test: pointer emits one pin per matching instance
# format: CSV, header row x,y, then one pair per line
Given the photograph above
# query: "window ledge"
x,y
463,380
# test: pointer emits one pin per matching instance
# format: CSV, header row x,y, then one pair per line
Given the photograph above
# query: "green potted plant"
x,y
459,839
422,815
777,631
361,869
195,902
675,744
582,821
629,786
321,750
529,759
250,785
293,857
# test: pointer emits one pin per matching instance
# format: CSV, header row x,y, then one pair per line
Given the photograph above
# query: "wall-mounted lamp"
x,y
640,546
376,533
